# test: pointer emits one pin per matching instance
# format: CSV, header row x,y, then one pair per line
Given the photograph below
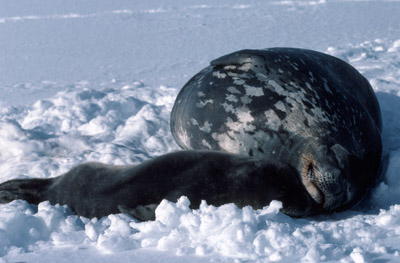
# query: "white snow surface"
x,y
96,80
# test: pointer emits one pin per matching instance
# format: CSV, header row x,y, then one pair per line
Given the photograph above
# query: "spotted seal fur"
x,y
304,108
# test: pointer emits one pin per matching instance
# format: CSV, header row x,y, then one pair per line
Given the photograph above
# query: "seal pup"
x,y
96,190
304,108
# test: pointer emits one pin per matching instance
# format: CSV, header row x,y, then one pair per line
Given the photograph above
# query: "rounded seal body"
x,y
301,107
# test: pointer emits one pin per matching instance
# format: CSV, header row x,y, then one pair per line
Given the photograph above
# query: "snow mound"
x,y
117,126
264,235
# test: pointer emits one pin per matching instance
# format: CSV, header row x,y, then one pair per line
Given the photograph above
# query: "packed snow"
x,y
96,81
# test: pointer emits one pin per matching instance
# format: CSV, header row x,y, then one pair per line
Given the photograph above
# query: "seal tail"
x,y
30,190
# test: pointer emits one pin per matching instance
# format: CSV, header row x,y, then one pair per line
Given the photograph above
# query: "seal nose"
x,y
323,173
333,184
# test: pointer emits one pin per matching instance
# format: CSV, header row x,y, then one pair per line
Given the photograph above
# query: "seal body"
x,y
96,190
307,109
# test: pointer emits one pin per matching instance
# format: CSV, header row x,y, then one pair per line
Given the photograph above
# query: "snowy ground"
x,y
96,80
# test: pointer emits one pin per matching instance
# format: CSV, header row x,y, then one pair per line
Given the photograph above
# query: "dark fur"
x,y
96,190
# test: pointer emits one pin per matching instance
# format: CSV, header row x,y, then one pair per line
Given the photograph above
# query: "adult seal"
x,y
96,190
309,110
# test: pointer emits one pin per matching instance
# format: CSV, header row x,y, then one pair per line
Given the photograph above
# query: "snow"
x,y
96,81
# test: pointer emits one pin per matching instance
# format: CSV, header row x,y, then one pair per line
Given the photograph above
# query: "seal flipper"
x,y
141,212
239,58
30,190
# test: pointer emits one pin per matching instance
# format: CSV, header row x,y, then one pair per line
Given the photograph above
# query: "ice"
x,y
96,81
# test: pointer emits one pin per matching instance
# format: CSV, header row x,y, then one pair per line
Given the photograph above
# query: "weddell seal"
x,y
96,190
284,124
304,108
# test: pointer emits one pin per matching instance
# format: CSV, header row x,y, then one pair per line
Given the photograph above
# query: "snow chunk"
x,y
357,255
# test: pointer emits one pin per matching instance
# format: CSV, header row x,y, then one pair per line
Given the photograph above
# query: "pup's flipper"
x,y
30,190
